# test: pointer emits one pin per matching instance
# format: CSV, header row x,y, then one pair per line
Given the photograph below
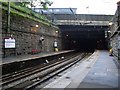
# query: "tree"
x,y
23,3
46,3
34,3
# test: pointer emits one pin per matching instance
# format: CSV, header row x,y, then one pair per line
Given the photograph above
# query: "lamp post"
x,y
8,24
8,19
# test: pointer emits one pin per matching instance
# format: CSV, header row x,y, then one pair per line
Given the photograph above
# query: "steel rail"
x,y
22,75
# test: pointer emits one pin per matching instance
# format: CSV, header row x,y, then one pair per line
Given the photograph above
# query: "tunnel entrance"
x,y
83,38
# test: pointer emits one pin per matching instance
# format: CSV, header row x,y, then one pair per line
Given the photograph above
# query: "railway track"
x,y
31,77
7,76
26,72
21,72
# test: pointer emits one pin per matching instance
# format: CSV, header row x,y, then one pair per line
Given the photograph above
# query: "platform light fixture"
x,y
42,38
34,28
110,23
109,31
36,25
56,31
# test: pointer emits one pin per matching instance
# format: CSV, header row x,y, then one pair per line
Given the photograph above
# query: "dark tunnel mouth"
x,y
86,45
83,38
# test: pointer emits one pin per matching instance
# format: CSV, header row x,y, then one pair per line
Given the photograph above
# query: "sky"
x,y
107,7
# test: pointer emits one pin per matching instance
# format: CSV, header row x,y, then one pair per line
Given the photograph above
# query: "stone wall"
x,y
114,45
115,33
27,35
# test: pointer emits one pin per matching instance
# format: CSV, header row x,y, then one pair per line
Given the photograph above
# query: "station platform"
x,y
19,58
97,71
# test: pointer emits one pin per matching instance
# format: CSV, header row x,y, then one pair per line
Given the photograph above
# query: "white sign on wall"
x,y
10,43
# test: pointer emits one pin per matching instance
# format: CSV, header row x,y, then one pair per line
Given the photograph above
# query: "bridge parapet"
x,y
80,22
80,19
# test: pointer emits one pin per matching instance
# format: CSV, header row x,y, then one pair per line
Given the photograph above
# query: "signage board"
x,y
10,43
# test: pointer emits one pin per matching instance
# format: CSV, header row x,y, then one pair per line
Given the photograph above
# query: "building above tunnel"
x,y
68,16
56,10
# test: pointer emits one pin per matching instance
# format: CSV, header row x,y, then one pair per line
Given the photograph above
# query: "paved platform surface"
x,y
29,57
104,74
98,71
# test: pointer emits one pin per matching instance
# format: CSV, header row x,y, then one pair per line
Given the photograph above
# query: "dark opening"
x,y
83,38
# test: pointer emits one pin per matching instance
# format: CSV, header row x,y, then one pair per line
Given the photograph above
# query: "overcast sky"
x,y
88,6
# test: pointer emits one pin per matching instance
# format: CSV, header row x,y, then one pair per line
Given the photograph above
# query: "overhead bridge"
x,y
81,19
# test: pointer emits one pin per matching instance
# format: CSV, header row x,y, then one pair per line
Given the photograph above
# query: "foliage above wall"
x,y
26,12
